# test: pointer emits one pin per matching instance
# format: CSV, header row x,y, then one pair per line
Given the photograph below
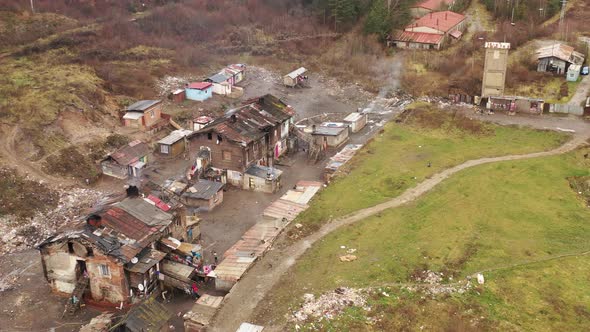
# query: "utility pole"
x,y
32,7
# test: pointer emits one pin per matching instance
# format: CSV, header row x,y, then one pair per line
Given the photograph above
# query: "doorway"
x,y
80,269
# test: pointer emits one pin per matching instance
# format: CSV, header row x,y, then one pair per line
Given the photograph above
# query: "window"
x,y
104,270
247,155
165,149
152,114
209,136
219,139
70,247
226,155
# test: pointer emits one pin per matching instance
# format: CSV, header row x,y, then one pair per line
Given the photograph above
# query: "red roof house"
x,y
430,31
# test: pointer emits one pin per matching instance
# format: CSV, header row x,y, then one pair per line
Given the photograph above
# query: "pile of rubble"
x,y
261,74
329,305
430,283
167,84
18,234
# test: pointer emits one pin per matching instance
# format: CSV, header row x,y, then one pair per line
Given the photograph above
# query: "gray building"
x,y
557,58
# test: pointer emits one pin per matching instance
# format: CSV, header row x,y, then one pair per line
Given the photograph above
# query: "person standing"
x,y
215,257
195,290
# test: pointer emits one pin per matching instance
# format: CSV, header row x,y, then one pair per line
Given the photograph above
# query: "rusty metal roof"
x,y
250,122
562,52
442,21
131,152
418,37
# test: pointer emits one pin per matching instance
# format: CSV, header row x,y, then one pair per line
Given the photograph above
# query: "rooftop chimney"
x,y
446,15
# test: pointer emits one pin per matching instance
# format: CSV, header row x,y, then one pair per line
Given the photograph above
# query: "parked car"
x,y
584,70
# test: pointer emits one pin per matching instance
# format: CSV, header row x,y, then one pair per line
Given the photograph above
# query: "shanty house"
x,y
424,7
431,31
236,71
330,135
199,91
177,96
295,77
204,194
143,114
111,253
173,144
557,58
356,121
253,134
222,83
148,316
262,178
127,161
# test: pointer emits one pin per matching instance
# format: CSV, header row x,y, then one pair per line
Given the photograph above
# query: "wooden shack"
x,y
173,144
295,77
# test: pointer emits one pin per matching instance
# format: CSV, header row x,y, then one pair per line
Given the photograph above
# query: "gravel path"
x,y
251,289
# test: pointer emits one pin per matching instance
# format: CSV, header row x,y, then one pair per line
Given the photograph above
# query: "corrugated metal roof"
x,y
263,171
204,189
199,85
145,211
562,52
442,21
175,136
219,78
176,270
142,105
130,153
418,37
148,316
296,72
249,122
328,131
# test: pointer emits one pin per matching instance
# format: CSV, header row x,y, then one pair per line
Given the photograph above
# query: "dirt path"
x,y
245,296
11,158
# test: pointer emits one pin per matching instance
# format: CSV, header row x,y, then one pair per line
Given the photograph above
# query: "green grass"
x,y
33,90
547,89
488,217
397,160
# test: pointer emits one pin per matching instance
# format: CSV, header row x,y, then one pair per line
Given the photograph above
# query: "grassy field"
x,y
398,158
507,219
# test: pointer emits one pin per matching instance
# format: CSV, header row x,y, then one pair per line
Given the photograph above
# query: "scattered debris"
x,y
348,258
19,234
480,279
329,305
298,225
351,251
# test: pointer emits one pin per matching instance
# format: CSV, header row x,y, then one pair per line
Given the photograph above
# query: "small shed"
x,y
295,77
330,135
178,95
199,91
204,194
173,144
573,73
356,121
128,160
221,83
141,271
143,114
262,178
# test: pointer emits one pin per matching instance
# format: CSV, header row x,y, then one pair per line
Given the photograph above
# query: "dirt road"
x,y
246,295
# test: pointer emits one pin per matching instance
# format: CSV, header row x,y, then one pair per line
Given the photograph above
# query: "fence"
x,y
565,108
